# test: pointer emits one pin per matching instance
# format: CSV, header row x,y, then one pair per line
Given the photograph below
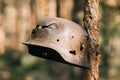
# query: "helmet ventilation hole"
x,y
73,52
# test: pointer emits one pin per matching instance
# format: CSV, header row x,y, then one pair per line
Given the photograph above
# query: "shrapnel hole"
x,y
33,31
58,40
37,26
44,26
81,47
73,52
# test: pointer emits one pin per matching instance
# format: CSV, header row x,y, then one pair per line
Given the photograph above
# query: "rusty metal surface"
x,y
59,39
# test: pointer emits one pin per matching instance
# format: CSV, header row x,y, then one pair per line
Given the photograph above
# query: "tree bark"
x,y
52,8
66,7
91,21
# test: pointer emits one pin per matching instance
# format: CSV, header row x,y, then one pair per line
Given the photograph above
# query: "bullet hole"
x,y
58,40
44,26
33,31
73,52
37,26
81,47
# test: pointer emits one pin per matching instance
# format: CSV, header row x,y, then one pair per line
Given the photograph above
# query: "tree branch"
x,y
91,22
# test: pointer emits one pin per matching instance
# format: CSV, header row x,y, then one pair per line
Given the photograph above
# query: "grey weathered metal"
x,y
60,40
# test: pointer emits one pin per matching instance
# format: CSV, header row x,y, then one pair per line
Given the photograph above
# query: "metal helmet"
x,y
60,40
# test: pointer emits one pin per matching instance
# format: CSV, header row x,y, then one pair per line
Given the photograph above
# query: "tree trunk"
x,y
52,8
23,21
42,8
66,7
91,22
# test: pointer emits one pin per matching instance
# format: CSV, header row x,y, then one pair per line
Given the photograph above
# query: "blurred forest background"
x,y
18,17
